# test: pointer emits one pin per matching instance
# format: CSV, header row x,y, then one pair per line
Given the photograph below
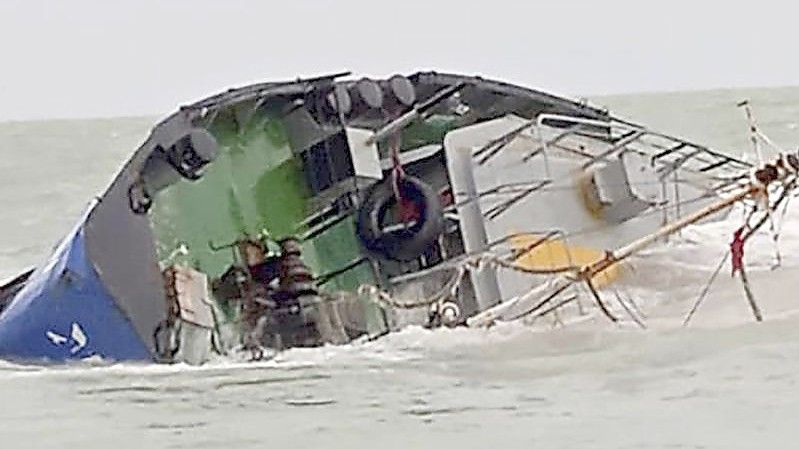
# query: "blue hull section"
x,y
64,312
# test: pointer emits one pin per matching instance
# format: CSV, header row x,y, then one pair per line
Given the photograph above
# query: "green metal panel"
x,y
429,131
255,186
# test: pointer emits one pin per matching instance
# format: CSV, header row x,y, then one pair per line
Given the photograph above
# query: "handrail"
x,y
640,132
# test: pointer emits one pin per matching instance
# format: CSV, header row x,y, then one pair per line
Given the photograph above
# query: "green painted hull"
x,y
254,189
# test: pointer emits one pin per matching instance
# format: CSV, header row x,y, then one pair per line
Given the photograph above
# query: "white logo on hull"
x,y
77,338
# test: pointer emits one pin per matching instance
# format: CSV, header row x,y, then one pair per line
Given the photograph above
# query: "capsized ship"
x,y
323,210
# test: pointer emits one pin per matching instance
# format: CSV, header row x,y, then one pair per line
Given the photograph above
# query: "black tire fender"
x,y
399,244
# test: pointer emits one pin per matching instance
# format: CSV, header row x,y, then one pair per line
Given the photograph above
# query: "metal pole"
x,y
632,248
418,111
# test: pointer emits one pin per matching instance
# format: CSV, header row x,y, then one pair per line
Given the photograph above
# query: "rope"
x,y
705,289
449,290
385,300
623,303
397,170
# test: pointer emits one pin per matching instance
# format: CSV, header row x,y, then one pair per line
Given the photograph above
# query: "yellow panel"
x,y
555,254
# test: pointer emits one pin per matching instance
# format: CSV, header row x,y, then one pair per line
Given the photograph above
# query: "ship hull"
x,y
255,220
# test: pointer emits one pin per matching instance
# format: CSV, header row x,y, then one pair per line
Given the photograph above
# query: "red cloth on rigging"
x,y
737,250
408,210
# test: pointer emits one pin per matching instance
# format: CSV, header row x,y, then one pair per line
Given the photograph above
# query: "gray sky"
x,y
105,58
